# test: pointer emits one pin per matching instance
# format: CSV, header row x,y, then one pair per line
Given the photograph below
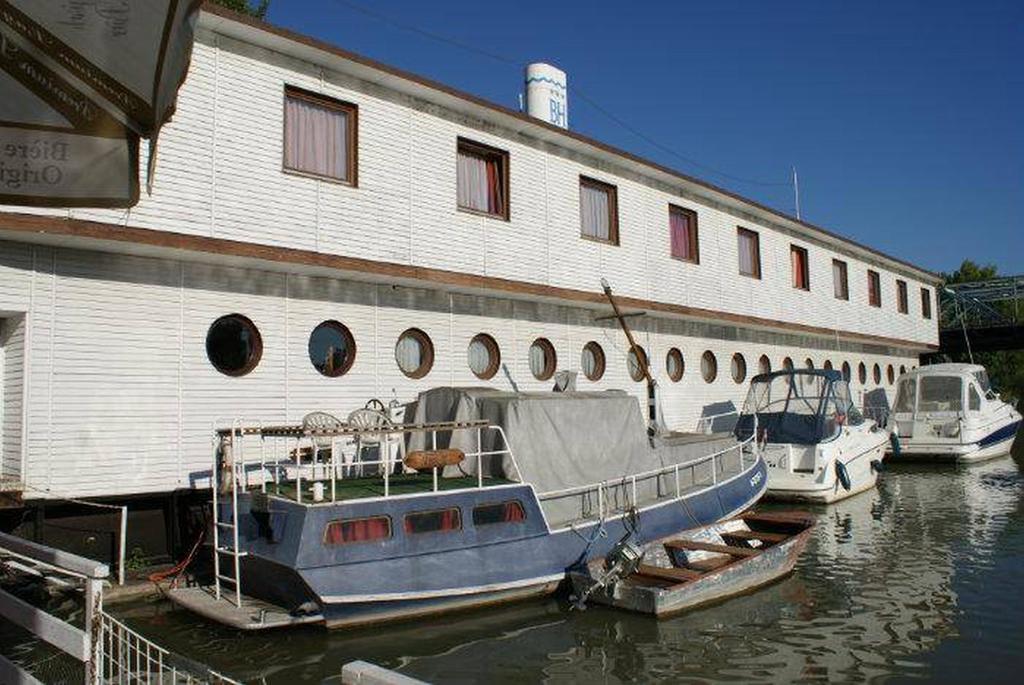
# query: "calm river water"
x,y
923,577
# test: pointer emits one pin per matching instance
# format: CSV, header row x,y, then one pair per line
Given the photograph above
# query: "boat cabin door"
x,y
12,367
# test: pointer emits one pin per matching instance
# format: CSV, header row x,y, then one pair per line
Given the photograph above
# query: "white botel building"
x,y
299,184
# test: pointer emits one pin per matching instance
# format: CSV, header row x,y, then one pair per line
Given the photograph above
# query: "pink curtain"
x,y
680,231
316,139
748,251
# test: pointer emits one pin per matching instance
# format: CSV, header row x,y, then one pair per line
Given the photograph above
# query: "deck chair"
x,y
369,419
322,444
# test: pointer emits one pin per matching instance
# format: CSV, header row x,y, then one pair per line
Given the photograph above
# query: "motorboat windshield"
x,y
797,407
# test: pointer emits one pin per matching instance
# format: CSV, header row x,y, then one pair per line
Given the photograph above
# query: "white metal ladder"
x,y
230,550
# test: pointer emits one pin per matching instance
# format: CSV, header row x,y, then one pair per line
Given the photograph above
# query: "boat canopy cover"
x,y
560,439
797,407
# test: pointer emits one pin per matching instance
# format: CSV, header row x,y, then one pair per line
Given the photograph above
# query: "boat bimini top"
x,y
803,407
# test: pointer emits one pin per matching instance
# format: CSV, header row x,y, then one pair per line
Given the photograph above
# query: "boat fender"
x,y
876,465
306,609
894,441
843,475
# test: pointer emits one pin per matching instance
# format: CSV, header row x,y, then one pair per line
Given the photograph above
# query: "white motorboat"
x,y
817,445
951,412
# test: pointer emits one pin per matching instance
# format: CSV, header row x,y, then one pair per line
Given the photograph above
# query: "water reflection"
x,y
910,580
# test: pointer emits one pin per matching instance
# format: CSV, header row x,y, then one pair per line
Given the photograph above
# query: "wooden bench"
x,y
674,575
694,546
754,535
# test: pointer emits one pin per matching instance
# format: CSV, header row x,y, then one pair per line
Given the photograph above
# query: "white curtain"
x,y
588,362
839,280
538,360
748,253
409,354
479,357
595,220
472,182
316,139
674,365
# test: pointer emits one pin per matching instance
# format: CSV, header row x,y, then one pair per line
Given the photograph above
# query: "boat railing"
x,y
269,457
616,495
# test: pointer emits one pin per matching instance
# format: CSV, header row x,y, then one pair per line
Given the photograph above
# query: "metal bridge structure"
x,y
983,316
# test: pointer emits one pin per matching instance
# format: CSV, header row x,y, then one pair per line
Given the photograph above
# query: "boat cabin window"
x,y
982,378
973,398
348,531
500,512
906,396
234,345
438,521
941,393
799,408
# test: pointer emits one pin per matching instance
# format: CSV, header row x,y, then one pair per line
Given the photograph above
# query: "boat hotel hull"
x,y
324,230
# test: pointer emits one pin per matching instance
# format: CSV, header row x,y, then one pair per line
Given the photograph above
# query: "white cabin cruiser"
x,y
817,445
950,411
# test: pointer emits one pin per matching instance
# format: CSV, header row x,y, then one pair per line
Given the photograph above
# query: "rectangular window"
x,y
874,289
926,303
682,228
441,520
840,282
901,297
357,530
798,260
501,512
749,245
941,393
599,211
482,173
319,136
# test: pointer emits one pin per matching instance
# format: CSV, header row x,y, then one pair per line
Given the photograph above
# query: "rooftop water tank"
x,y
547,97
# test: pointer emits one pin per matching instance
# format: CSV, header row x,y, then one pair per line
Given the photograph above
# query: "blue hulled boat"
x,y
477,496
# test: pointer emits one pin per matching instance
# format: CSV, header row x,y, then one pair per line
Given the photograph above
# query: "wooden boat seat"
x,y
674,575
754,535
692,545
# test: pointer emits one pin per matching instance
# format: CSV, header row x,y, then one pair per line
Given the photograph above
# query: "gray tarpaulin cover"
x,y
560,440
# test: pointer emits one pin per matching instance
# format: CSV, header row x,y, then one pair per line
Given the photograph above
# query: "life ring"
x,y
843,475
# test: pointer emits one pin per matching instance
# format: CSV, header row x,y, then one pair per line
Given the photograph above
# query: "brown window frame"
x,y
757,243
902,297
350,109
694,234
427,363
926,303
874,278
806,259
613,210
482,150
846,280
599,360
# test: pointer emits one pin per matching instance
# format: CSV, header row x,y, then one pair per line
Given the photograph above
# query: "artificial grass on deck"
x,y
361,488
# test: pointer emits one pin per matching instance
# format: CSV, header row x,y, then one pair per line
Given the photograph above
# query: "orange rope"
x,y
178,568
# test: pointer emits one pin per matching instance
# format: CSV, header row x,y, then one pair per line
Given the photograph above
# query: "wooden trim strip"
x,y
56,226
316,44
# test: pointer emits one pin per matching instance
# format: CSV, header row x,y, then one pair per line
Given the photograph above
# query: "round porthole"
x,y
876,372
764,364
846,371
828,365
739,368
543,360
484,356
787,364
862,373
414,353
674,365
234,345
636,368
592,361
890,374
332,349
809,364
903,369
709,366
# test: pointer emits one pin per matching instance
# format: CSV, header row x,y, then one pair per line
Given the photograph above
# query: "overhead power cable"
x,y
405,26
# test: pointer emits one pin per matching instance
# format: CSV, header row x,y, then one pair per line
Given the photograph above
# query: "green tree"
x,y
1005,369
259,10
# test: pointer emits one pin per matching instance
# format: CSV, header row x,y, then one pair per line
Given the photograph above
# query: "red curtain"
x,y
358,530
494,204
514,512
679,232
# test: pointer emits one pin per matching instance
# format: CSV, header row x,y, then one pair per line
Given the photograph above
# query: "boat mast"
x,y
641,358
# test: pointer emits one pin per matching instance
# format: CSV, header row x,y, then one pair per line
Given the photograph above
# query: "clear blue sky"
x,y
903,118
